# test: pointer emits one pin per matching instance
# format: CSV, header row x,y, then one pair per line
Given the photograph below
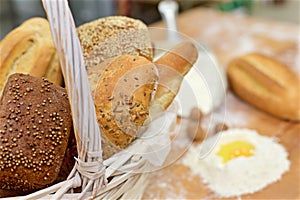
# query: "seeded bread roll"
x,y
35,123
29,49
110,37
122,99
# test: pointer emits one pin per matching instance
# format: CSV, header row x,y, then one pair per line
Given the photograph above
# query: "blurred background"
x,y
14,12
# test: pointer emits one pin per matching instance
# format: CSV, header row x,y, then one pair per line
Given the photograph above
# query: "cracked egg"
x,y
240,161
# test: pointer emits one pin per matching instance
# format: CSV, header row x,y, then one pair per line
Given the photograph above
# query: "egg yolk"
x,y
234,150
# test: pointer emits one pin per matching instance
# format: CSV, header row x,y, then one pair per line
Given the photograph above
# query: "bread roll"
x,y
122,99
172,67
53,72
35,123
29,49
266,84
125,91
110,37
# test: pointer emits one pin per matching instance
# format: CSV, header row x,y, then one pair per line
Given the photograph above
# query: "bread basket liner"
x,y
124,175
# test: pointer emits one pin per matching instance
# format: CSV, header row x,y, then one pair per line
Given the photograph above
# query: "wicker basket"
x,y
126,170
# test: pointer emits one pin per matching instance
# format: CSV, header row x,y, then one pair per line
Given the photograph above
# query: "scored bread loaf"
x,y
29,49
53,72
267,84
113,36
122,99
35,124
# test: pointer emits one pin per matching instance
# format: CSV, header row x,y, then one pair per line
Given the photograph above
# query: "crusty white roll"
x,y
267,84
29,49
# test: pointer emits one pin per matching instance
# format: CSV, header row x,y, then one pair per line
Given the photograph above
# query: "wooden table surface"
x,y
229,36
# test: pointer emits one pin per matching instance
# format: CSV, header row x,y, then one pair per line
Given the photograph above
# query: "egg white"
x,y
242,175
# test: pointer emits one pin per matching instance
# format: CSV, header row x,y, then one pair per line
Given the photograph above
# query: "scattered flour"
x,y
241,175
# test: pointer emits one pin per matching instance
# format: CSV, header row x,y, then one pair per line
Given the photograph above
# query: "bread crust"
x,y
267,84
53,72
113,36
122,99
35,123
172,67
29,49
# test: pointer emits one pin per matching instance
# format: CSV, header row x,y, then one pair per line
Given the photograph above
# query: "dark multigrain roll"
x,y
35,124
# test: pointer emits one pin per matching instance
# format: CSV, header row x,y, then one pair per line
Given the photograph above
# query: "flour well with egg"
x,y
240,161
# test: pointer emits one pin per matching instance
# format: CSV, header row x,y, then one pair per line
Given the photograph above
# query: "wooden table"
x,y
229,36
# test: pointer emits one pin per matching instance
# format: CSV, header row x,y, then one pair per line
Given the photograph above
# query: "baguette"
x,y
267,84
29,49
172,67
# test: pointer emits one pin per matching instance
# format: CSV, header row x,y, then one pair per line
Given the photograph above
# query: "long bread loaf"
x,y
29,49
267,84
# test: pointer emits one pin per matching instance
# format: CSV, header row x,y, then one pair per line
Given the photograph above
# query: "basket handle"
x,y
86,128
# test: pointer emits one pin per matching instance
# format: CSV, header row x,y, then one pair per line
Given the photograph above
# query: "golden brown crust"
x,y
95,73
122,98
27,49
53,72
266,84
113,36
35,123
172,67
